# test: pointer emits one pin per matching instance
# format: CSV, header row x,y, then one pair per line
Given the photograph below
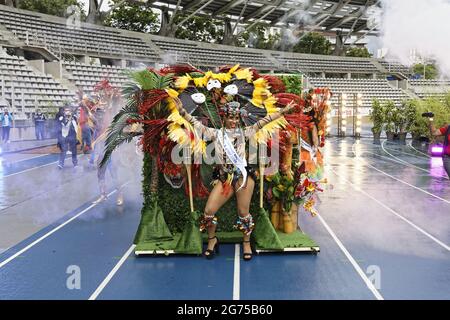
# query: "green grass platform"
x,y
294,242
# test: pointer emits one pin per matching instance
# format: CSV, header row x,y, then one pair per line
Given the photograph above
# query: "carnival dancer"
x,y
233,175
86,124
102,113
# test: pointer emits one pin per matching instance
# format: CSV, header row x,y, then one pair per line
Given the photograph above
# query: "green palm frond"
x,y
113,143
132,92
147,80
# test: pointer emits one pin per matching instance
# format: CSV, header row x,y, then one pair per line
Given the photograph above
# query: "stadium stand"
x,y
86,76
20,84
369,88
430,88
53,33
310,63
102,42
211,54
395,66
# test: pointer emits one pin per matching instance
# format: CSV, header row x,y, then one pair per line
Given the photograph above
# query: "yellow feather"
x,y
172,93
270,104
201,82
244,74
260,83
182,82
232,70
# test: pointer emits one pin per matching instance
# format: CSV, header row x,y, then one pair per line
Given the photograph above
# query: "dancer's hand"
x,y
179,107
288,108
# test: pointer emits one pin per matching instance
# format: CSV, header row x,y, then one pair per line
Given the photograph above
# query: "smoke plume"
x,y
417,26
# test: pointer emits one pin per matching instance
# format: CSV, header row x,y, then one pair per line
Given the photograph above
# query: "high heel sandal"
x,y
247,256
210,253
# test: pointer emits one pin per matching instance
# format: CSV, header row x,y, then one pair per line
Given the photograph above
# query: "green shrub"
x,y
377,116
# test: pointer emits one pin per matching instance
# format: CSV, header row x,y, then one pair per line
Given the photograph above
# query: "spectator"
x,y
58,125
6,120
39,123
67,137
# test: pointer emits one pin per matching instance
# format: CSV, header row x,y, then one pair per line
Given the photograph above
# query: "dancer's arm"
x,y
208,132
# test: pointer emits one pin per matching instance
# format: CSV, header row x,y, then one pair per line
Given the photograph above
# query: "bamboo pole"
x,y
189,174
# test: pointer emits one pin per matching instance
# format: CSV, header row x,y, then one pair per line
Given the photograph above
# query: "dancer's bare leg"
x,y
244,197
215,201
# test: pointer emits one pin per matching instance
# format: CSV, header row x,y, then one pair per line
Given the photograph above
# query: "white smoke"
x,y
420,26
296,18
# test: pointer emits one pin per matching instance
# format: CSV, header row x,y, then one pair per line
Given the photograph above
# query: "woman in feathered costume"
x,y
247,111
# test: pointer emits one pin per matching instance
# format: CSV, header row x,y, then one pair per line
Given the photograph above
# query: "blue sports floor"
x,y
383,231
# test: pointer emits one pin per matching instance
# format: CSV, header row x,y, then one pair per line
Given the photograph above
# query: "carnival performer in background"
x,y
86,123
313,138
107,103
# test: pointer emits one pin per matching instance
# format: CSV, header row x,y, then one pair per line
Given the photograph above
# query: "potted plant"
x,y
410,111
390,117
401,121
282,193
377,117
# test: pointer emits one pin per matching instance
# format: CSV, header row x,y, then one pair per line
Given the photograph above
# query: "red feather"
x,y
179,69
199,189
152,98
275,83
152,134
298,120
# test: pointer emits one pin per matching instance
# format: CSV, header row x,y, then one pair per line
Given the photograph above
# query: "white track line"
x,y
237,276
446,247
402,162
400,180
410,144
407,163
2,264
352,260
409,154
30,169
14,162
112,273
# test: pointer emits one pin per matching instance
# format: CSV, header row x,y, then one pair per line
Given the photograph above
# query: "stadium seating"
x,y
53,33
394,66
21,83
86,76
430,88
96,41
177,51
330,64
369,88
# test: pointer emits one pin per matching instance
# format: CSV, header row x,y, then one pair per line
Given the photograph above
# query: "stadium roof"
x,y
325,15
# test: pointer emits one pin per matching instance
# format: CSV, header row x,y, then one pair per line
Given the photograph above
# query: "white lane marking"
x,y
2,264
410,145
30,169
352,260
399,180
381,156
112,273
237,276
409,154
14,162
446,247
407,163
